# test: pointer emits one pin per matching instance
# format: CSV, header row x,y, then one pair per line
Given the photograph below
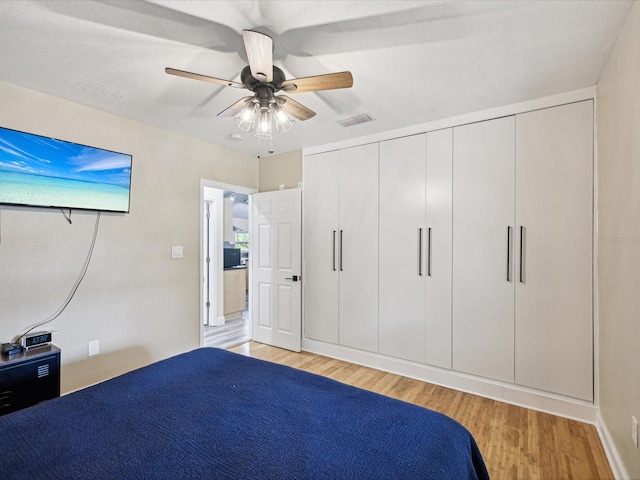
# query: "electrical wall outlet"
x,y
94,347
634,431
177,251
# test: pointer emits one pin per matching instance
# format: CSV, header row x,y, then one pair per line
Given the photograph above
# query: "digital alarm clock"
x,y
36,339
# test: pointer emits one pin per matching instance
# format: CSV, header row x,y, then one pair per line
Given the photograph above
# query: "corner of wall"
x,y
280,170
610,450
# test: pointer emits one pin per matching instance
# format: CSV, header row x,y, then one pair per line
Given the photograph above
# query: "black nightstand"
x,y
29,377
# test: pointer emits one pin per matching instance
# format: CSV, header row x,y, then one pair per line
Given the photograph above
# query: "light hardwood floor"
x,y
516,443
234,332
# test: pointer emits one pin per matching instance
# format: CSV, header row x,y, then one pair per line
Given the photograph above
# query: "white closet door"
x,y
321,197
438,235
358,247
554,192
402,248
483,221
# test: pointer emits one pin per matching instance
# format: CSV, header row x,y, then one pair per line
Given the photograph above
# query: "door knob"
x,y
294,278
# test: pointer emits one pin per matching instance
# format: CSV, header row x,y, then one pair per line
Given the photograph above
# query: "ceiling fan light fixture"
x,y
263,124
246,119
284,122
264,79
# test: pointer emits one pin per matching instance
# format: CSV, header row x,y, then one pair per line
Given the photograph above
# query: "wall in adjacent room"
x,y
284,169
139,303
618,138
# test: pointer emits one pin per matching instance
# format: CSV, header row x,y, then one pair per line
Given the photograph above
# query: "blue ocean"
x,y
39,190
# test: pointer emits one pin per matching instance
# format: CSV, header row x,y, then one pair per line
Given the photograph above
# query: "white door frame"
x,y
218,263
209,283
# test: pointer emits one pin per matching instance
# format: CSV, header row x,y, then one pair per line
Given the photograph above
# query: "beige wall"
x,y
284,169
142,305
618,135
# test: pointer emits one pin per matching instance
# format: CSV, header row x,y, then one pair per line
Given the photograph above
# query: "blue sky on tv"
x,y
32,154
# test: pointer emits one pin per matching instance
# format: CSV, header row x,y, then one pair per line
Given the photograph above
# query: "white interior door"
x,y
276,268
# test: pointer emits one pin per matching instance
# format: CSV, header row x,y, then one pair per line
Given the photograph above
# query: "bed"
x,y
211,413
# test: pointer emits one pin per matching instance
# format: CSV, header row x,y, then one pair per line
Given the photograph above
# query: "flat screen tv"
x,y
45,172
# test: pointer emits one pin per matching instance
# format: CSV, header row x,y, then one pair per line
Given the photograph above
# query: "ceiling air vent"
x,y
355,120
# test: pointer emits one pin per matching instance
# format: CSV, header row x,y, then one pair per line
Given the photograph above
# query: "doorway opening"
x,y
225,261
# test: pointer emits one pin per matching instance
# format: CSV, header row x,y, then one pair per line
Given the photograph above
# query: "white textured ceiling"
x,y
412,61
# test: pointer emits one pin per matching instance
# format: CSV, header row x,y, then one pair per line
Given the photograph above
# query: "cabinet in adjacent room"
x,y
483,228
235,292
415,248
341,247
228,234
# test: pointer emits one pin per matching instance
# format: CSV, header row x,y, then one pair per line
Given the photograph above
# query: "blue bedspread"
x,y
216,414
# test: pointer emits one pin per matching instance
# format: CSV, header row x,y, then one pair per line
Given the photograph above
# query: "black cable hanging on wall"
x,y
75,286
67,217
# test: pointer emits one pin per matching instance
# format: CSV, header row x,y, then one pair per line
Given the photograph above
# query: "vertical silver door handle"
x,y
420,252
429,252
341,232
333,251
522,252
508,254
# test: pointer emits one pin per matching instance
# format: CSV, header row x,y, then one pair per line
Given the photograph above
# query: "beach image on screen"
x,y
46,172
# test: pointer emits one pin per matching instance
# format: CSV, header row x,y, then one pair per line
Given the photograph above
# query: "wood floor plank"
x,y
516,443
235,331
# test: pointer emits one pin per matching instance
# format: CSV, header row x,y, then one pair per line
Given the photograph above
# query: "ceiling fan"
x,y
264,80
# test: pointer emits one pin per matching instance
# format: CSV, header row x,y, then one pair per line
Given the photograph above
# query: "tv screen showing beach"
x,y
45,172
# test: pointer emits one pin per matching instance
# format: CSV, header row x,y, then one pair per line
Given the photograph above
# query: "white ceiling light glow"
x,y
260,113
246,119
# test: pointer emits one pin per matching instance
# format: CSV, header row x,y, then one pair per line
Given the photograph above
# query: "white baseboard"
x,y
615,462
501,391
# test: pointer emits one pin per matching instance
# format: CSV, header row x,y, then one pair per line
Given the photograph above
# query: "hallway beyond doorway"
x,y
234,332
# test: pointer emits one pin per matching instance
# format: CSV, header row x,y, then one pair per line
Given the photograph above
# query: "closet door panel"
x,y
438,252
483,220
402,248
358,239
554,192
321,196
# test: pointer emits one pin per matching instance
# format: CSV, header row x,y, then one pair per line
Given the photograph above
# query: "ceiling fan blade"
x,y
294,108
259,49
204,78
234,109
319,82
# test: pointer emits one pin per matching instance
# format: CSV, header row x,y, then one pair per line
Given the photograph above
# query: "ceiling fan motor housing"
x,y
251,83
